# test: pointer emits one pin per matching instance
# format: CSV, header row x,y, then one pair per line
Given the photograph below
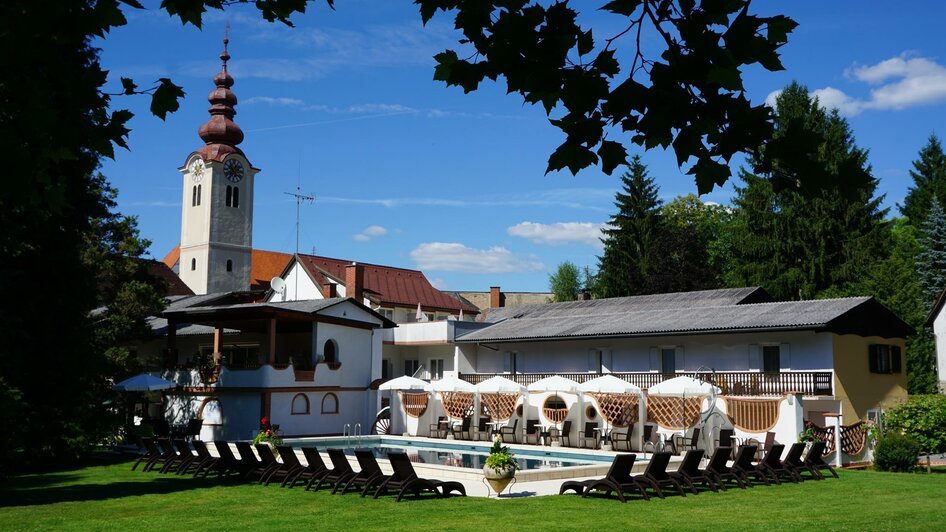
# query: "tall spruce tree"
x,y
929,181
931,262
802,244
627,262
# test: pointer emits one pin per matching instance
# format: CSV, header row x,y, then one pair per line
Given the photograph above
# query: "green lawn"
x,y
110,496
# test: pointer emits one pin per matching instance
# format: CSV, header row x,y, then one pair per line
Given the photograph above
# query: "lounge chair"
x,y
183,457
290,467
315,467
621,438
464,427
405,480
228,462
794,462
532,431
511,432
689,472
786,467
744,467
618,480
149,452
192,430
440,428
205,461
589,435
656,474
563,435
253,467
815,459
482,430
270,462
720,472
370,474
772,466
762,447
681,443
341,471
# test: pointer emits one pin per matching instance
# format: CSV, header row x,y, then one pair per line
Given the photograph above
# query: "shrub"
x,y
896,452
923,418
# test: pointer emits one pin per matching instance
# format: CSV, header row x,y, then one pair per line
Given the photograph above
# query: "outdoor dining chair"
x,y
589,436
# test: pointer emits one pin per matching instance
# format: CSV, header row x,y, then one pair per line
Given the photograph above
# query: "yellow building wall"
x,y
856,387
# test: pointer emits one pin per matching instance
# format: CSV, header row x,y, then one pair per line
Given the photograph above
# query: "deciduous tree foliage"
x,y
565,283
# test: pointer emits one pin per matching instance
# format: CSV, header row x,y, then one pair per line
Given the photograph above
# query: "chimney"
x,y
329,290
495,297
355,281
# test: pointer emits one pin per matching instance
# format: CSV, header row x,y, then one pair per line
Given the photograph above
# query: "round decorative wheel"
x,y
382,422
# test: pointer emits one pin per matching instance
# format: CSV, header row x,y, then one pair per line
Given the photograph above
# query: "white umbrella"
x,y
555,383
405,383
683,387
144,383
608,384
420,316
451,384
499,384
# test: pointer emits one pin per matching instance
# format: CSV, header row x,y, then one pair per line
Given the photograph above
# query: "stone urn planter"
x,y
498,480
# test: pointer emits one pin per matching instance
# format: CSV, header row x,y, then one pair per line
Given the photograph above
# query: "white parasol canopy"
x,y
683,387
499,384
451,384
405,383
555,383
144,383
608,384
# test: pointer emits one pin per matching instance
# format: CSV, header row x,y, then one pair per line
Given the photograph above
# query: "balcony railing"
x,y
749,383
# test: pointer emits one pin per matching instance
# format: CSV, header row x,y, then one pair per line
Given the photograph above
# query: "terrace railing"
x,y
747,383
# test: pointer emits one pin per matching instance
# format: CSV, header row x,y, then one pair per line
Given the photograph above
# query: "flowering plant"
x,y
268,434
809,433
499,456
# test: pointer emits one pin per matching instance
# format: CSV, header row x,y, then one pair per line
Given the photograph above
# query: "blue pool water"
x,y
456,454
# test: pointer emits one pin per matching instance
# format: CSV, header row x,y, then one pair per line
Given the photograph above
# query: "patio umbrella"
x,y
450,384
144,382
420,316
405,383
683,387
499,384
555,383
610,384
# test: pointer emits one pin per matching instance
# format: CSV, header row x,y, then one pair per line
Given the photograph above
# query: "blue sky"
x,y
410,173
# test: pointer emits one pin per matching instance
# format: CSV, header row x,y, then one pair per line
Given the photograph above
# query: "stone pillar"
x,y
834,419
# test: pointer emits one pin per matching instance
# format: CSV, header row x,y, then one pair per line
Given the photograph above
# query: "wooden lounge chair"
x,y
440,428
681,443
794,462
656,474
370,474
149,452
464,428
744,467
618,480
510,432
589,435
482,431
315,466
320,478
252,465
532,431
689,472
192,430
272,464
621,438
720,472
563,436
341,471
815,459
228,462
183,457
405,480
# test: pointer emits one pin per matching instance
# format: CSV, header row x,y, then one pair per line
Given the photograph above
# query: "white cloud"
x,y
370,232
832,98
439,283
271,100
559,233
454,257
591,199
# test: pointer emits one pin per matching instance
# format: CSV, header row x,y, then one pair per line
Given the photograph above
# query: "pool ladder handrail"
x,y
357,433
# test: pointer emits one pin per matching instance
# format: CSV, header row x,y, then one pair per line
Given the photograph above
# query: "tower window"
x,y
229,195
193,264
229,265
236,197
194,197
198,194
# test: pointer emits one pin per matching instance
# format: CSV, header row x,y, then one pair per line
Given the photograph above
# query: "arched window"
x,y
193,264
210,411
330,404
300,405
198,194
330,351
229,195
194,196
236,197
229,265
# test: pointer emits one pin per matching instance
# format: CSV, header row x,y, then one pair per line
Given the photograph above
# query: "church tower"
x,y
217,212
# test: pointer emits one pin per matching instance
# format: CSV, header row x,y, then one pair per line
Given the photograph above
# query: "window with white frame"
x,y
436,368
411,365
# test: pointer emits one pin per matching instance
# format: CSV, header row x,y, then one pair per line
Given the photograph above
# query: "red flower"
x,y
265,420
268,433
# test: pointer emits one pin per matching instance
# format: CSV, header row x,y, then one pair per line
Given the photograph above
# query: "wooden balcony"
x,y
748,383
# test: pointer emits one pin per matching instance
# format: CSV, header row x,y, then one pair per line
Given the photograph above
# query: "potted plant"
x,y
268,434
500,466
808,435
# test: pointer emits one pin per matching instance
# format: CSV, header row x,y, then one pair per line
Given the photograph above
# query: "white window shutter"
x,y
593,361
606,361
754,363
655,359
679,363
784,357
507,361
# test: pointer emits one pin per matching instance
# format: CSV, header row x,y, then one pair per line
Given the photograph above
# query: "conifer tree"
x,y
929,181
627,261
931,262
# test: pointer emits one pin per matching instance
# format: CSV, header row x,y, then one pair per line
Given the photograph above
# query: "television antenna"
x,y
300,198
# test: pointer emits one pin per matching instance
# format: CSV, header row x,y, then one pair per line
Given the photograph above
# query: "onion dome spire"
x,y
221,133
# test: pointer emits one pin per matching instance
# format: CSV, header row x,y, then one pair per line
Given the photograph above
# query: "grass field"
x,y
110,496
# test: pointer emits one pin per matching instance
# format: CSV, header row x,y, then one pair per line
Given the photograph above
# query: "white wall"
x,y
351,410
939,330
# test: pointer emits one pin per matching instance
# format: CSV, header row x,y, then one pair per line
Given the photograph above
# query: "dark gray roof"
x,y
627,317
159,327
309,306
702,298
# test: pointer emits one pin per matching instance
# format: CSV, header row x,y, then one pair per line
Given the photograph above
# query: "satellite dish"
x,y
278,284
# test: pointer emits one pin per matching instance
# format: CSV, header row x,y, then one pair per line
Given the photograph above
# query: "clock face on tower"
x,y
197,170
233,170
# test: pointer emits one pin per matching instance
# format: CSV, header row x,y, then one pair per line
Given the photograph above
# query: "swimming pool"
x,y
461,454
